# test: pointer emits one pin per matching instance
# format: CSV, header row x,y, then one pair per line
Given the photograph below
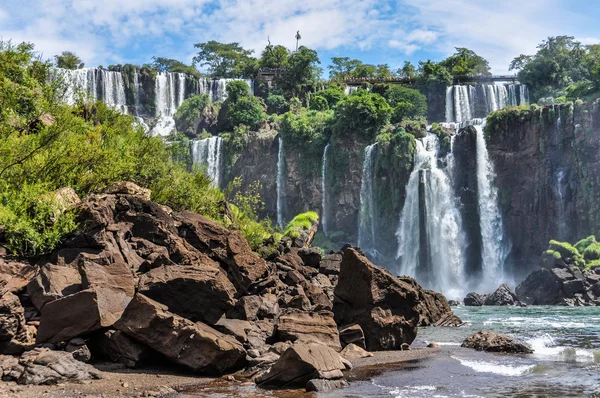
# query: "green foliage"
x,y
592,252
408,70
190,110
300,74
274,57
276,104
226,60
568,252
318,103
407,103
363,112
346,68
416,127
246,110
173,65
465,62
68,60
584,243
307,127
504,116
237,89
301,222
333,94
433,74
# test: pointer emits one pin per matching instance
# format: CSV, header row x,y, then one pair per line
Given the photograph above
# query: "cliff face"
x,y
547,162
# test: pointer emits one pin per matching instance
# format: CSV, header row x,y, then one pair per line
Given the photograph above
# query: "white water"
x,y
494,248
444,225
350,89
366,216
324,204
111,89
462,100
207,153
217,88
280,184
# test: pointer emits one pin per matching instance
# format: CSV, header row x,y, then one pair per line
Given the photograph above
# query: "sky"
x,y
104,32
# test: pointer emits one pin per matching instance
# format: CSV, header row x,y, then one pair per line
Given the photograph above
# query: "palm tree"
x,y
298,37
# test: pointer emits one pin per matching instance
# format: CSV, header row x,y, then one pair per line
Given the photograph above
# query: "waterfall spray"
x,y
366,217
324,205
280,184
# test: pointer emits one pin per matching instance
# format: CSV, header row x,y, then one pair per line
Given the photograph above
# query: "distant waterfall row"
x,y
170,89
477,101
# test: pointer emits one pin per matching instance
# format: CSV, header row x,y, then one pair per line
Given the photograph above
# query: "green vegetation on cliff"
x,y
302,222
585,254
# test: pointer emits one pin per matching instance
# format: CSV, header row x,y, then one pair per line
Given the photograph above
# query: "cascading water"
x,y
207,153
494,246
430,234
449,104
280,184
366,216
98,84
464,102
170,94
324,204
350,89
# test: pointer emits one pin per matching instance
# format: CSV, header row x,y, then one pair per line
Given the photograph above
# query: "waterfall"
x,y
136,92
324,206
366,216
449,104
280,184
430,234
96,84
494,247
207,153
350,89
523,95
165,102
217,88
464,102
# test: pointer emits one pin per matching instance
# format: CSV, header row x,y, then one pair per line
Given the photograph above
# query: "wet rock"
x,y
405,347
454,303
199,292
301,363
191,344
352,334
474,299
387,308
495,342
502,296
433,344
309,327
320,385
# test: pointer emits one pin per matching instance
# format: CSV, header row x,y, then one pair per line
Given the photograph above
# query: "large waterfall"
x,y
430,234
465,102
494,246
324,204
280,184
208,153
170,90
366,216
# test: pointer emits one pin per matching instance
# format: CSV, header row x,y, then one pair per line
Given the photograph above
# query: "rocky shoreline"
x,y
141,285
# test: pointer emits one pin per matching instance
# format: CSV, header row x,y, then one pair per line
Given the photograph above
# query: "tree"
x,y
302,71
274,57
228,60
465,62
68,60
342,67
240,107
173,65
433,74
407,103
408,70
363,111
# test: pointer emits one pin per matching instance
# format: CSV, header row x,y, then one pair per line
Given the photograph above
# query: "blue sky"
x,y
104,32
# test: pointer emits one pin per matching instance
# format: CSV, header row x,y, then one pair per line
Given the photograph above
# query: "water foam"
x,y
495,368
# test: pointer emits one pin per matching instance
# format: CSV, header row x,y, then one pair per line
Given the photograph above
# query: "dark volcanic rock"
x,y
502,296
191,344
495,342
15,335
475,299
330,264
121,348
352,334
301,363
199,292
388,309
559,286
309,327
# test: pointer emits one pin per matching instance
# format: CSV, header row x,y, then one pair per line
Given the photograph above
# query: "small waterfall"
x,y
523,95
350,89
280,184
430,233
137,89
207,153
494,247
324,204
166,102
464,102
366,217
449,104
97,84
217,88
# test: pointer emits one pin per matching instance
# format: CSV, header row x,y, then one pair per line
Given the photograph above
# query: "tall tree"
x,y
302,71
226,60
68,60
274,57
465,62
408,70
173,65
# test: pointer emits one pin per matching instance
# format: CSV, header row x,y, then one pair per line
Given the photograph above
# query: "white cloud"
x,y
589,40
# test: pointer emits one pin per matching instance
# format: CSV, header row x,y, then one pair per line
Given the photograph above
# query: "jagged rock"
x,y
502,296
14,275
309,327
320,385
474,299
43,366
280,347
199,292
453,303
495,342
311,256
123,349
330,264
352,352
557,286
79,349
265,359
191,344
352,334
15,335
246,308
53,282
234,327
128,188
449,320
229,248
387,308
261,332
303,362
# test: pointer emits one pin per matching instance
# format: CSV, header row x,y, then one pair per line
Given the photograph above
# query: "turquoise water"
x,y
566,361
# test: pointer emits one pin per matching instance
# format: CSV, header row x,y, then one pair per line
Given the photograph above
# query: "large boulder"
x,y
474,299
502,296
192,344
301,363
43,366
330,264
495,342
387,308
309,327
557,286
14,275
352,334
198,292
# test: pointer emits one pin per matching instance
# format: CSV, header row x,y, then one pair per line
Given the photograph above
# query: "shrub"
x,y
584,243
190,110
365,112
592,252
333,94
301,222
318,103
246,110
236,89
568,252
276,104
407,103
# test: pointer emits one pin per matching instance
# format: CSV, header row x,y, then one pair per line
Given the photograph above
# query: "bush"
x,y
236,89
246,110
407,103
301,222
568,252
276,104
333,94
190,110
318,103
592,252
364,112
584,243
